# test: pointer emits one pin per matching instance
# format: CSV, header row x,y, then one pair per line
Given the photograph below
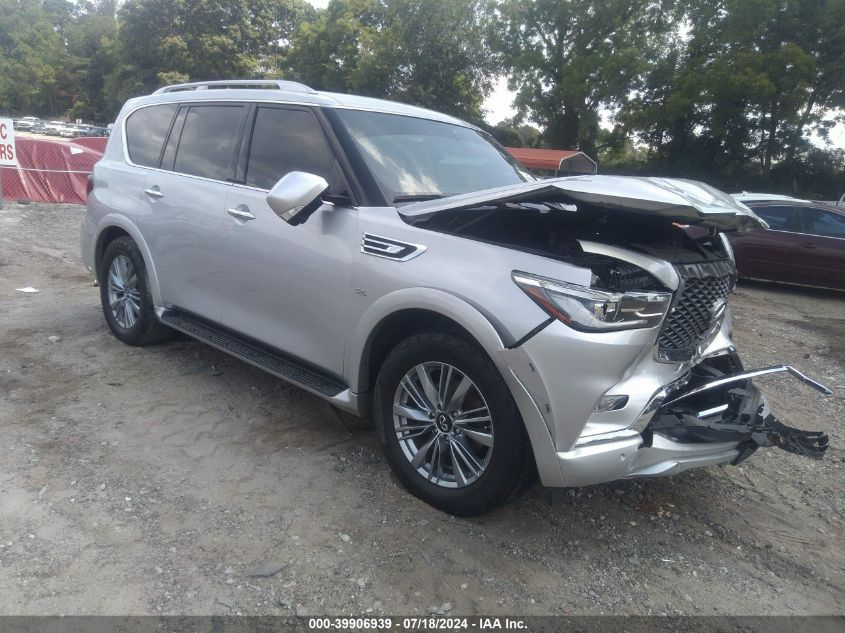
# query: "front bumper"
x,y
720,418
559,376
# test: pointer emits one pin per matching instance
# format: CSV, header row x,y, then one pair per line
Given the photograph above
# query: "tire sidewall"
x,y
502,474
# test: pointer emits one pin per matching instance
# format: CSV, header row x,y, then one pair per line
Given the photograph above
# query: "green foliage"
x,y
30,57
741,96
204,39
427,52
569,59
727,91
513,133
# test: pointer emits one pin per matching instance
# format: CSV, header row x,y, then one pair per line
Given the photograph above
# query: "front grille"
x,y
698,310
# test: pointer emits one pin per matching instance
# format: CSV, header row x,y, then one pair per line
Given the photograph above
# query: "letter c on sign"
x,y
2,130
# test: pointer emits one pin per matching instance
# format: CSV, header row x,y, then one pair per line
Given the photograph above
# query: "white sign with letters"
x,y
8,153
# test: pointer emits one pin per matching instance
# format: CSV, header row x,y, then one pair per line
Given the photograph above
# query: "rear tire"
x,y
464,448
125,295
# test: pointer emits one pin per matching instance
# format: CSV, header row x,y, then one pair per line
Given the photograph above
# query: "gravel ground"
x,y
174,479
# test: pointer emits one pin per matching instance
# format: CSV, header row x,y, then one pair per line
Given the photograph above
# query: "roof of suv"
x,y
747,196
285,92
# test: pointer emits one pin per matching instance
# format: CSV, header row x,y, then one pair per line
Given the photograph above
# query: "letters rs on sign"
x,y
8,153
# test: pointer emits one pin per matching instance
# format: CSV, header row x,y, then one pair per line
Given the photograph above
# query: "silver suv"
x,y
399,264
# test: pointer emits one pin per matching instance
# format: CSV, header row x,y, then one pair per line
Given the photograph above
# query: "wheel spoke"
x,y
427,385
114,278
443,384
415,395
412,414
463,421
466,456
422,453
434,468
412,434
131,315
460,478
121,268
482,438
459,394
466,414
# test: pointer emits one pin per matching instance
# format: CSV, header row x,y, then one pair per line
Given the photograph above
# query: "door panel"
x,y
771,253
184,229
767,254
288,286
186,219
823,243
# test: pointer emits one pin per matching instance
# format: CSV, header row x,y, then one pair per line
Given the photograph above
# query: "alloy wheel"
x,y
123,293
443,424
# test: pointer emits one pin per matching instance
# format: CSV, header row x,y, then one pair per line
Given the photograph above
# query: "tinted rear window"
x,y
208,141
145,132
283,141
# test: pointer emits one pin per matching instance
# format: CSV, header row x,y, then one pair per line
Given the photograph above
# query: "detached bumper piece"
x,y
721,404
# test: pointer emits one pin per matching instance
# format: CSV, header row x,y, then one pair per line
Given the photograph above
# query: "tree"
x,y
426,52
91,55
30,54
568,59
745,89
204,39
514,133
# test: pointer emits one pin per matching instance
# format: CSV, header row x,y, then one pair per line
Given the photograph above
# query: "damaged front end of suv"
x,y
634,372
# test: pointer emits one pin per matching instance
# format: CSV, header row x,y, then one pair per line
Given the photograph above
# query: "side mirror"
x,y
296,196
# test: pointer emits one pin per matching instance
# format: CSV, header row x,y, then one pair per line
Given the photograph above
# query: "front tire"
x,y
450,429
125,295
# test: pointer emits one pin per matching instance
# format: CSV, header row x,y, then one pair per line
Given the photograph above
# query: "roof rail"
x,y
265,84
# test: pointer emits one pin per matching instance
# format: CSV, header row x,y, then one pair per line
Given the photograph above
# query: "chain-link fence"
x,y
51,171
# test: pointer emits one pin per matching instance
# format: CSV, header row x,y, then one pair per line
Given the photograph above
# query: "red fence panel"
x,y
51,171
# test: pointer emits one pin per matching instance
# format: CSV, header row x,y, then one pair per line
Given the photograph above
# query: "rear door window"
x,y
209,141
146,130
286,140
823,222
779,217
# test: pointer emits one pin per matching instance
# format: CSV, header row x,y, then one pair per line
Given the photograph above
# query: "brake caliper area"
x,y
721,404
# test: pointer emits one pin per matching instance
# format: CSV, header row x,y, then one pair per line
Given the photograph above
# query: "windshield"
x,y
418,159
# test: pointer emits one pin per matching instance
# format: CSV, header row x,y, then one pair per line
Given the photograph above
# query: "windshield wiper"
x,y
418,197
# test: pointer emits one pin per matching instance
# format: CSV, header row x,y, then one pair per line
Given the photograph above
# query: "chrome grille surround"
x,y
697,313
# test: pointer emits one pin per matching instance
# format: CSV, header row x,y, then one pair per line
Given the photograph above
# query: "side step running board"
x,y
270,361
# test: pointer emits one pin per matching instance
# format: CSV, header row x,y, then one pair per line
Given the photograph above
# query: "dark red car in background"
x,y
804,244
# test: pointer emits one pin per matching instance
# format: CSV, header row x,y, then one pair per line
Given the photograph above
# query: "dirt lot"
x,y
155,480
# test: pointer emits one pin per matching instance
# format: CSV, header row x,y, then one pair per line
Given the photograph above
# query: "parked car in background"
x,y
91,130
25,124
54,127
804,244
70,131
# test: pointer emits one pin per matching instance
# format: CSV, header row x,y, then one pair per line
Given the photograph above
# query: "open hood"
x,y
685,201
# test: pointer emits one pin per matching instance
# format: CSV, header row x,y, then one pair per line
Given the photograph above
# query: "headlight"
x,y
592,310
729,249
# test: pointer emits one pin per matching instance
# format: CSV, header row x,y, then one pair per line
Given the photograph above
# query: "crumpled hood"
x,y
686,201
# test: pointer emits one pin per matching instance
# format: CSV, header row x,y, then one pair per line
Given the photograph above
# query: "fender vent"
x,y
389,249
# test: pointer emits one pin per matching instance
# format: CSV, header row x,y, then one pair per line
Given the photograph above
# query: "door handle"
x,y
808,245
153,192
242,213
